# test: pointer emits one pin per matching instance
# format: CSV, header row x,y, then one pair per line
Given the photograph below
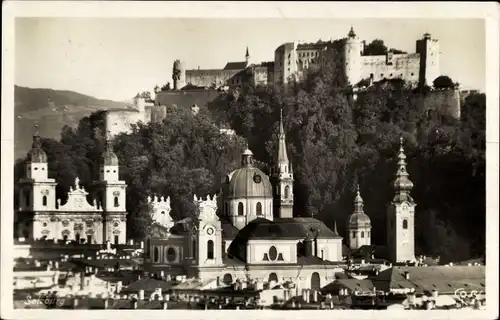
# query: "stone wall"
x,y
208,78
400,66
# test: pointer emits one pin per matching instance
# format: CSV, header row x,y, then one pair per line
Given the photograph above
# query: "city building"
x,y
41,216
256,237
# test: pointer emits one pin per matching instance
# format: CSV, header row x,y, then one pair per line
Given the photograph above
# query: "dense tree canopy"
x,y
443,82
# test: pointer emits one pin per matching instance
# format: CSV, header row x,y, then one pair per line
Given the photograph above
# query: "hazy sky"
x,y
114,58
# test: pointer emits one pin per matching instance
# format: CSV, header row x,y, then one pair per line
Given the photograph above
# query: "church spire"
x,y
282,154
402,184
247,56
358,202
37,143
351,33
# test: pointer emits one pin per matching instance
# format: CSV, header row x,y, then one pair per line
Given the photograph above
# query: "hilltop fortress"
x,y
197,87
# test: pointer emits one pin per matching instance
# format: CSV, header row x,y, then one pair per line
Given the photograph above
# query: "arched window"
x,y
44,201
354,234
77,237
259,208
171,254
240,208
405,224
273,277
156,254
368,234
362,234
322,254
227,279
194,248
163,212
287,192
210,249
116,202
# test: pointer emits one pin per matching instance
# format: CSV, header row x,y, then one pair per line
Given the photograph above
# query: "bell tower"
x,y
283,178
112,195
206,238
401,215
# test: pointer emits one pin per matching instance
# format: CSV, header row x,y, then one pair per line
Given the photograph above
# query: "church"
x,y
40,216
256,238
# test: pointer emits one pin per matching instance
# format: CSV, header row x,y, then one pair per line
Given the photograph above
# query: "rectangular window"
x,y
116,239
89,239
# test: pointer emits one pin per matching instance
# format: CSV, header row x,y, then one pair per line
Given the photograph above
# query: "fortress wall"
x,y
186,98
444,102
206,78
405,66
260,75
118,121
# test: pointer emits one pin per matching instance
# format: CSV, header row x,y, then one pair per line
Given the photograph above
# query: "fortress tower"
x,y
178,75
428,49
352,55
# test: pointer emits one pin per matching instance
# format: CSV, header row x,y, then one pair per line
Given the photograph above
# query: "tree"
x,y
375,48
443,82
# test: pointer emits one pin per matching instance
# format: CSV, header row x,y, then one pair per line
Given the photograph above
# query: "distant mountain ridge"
x,y
51,110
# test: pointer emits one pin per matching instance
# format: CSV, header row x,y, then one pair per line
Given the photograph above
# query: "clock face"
x,y
404,207
210,231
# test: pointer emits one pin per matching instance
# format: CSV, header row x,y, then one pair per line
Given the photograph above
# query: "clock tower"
x,y
401,216
206,238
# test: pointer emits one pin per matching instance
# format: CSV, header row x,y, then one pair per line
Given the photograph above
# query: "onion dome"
x,y
351,33
109,158
359,218
402,184
36,154
248,181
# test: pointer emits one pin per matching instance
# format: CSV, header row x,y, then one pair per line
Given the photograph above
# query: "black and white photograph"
x,y
188,160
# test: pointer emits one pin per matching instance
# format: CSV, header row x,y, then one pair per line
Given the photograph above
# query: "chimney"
x,y
141,294
164,305
108,245
407,275
218,281
106,302
82,281
308,247
134,304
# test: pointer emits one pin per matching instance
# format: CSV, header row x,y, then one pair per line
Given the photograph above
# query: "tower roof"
x,y
36,154
247,54
282,154
351,33
359,218
109,158
402,184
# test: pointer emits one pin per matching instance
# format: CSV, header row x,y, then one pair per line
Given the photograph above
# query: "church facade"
x,y
41,216
256,238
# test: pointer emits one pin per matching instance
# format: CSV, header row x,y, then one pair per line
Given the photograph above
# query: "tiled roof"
x,y
279,229
235,65
229,231
148,284
442,278
106,262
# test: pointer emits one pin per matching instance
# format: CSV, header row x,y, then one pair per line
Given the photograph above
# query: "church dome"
x,y
36,154
357,220
109,158
248,181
